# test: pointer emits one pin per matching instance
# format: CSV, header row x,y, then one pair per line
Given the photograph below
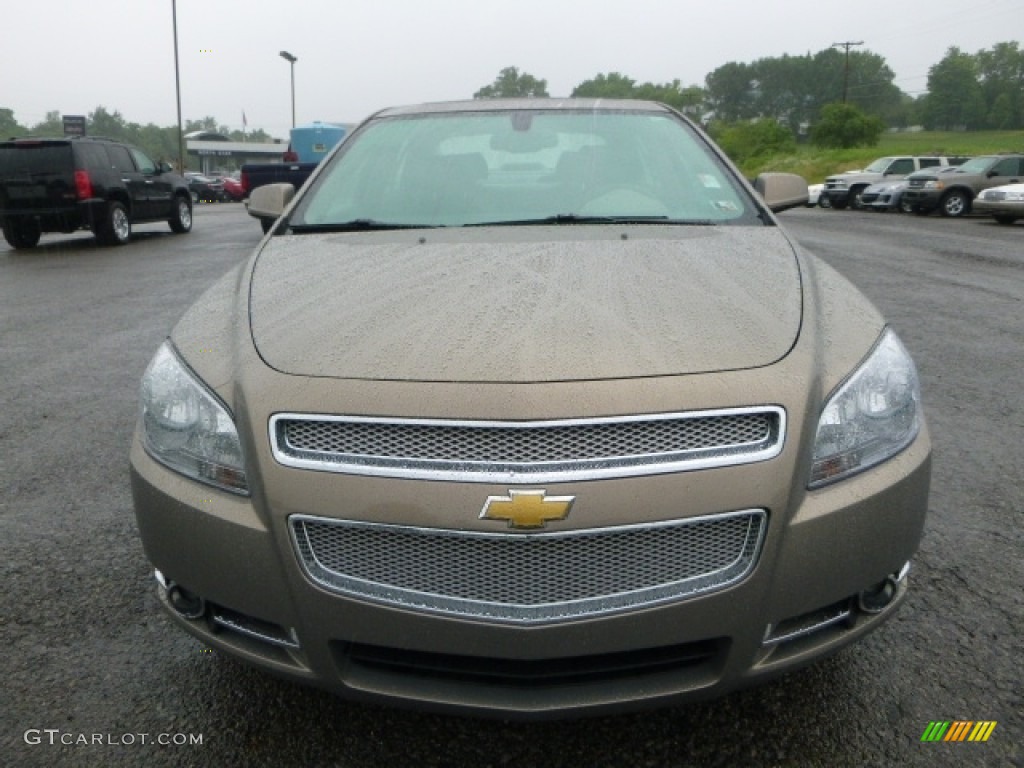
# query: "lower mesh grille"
x,y
528,578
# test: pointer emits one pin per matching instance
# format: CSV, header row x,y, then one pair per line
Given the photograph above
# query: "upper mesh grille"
x,y
553,450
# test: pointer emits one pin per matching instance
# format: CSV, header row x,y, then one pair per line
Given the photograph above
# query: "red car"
x,y
233,188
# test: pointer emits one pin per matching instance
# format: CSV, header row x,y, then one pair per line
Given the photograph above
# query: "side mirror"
x,y
782,190
164,167
270,200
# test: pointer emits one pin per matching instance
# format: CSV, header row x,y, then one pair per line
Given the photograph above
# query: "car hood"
x,y
525,304
1004,189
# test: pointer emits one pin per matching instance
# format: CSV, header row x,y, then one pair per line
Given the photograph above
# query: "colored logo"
x,y
958,730
527,509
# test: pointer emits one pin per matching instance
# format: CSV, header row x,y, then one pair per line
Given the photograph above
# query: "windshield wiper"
x,y
576,218
355,225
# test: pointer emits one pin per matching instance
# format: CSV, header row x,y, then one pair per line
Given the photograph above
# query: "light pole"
x,y
291,61
177,88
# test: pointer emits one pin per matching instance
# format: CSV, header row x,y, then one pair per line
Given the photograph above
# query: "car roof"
x,y
511,105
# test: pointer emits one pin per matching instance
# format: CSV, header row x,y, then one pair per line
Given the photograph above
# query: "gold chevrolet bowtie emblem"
x,y
527,509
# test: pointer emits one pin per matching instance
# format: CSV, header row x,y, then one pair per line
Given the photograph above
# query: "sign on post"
x,y
74,125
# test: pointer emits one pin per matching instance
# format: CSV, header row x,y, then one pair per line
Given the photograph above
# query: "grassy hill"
x,y
814,164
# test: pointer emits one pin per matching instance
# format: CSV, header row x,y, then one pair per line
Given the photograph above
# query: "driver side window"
x,y
143,162
1011,166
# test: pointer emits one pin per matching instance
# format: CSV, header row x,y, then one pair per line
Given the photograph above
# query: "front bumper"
x,y
1013,208
821,550
836,195
922,199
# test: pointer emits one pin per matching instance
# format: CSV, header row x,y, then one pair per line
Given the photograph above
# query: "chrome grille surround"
x,y
529,578
528,451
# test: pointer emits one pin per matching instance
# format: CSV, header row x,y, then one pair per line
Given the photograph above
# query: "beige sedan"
x,y
530,409
1005,204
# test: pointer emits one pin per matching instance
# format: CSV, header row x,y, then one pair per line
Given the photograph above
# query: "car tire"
x,y
824,202
22,234
905,207
116,227
1004,219
181,216
855,201
955,204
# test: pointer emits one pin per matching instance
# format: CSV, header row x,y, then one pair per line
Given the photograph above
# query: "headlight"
x,y
934,184
185,427
873,415
1014,196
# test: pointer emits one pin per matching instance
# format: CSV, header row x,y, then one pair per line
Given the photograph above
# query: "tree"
x,y
52,125
9,127
793,89
159,143
730,92
108,124
615,85
206,124
955,100
689,99
1001,74
844,125
510,84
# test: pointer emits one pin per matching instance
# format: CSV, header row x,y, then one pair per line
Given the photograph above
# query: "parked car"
x,y
953,194
233,189
845,189
883,196
70,183
530,408
814,194
1005,204
204,188
888,195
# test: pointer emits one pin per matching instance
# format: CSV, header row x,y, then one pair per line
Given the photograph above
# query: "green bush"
x,y
747,141
843,126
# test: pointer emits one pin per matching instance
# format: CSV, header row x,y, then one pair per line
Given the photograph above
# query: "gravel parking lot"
x,y
94,675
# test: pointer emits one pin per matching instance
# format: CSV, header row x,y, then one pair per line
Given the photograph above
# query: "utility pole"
x,y
846,69
177,88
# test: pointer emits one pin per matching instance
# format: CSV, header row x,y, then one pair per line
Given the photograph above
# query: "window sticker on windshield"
x,y
726,205
709,181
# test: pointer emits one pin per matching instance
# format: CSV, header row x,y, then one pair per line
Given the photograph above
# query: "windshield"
x,y
975,165
879,165
526,166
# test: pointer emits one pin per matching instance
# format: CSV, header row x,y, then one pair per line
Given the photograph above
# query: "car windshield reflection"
x,y
522,167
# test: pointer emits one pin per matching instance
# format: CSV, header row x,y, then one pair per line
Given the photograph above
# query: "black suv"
x,y
60,185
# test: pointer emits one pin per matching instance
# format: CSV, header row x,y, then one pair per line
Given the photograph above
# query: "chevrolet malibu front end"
x,y
530,409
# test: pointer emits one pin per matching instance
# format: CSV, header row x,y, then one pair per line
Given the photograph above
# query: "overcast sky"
x,y
356,56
